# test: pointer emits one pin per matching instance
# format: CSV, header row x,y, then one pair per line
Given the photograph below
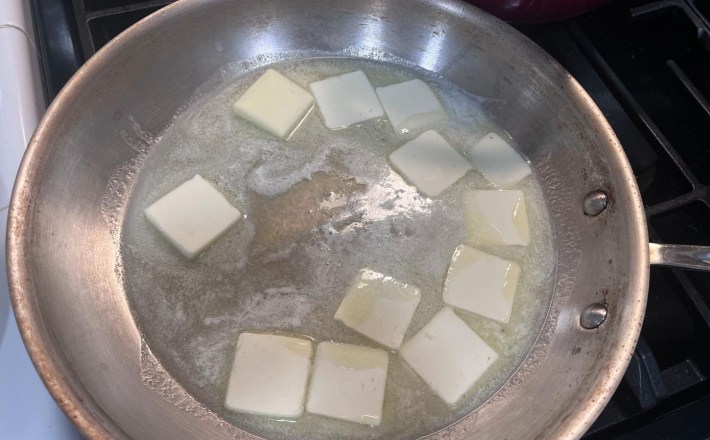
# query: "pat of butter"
x,y
348,383
430,163
410,105
274,103
497,217
269,375
192,216
481,283
498,161
379,307
448,355
346,99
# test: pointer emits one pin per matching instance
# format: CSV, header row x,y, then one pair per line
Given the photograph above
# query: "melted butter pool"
x,y
319,207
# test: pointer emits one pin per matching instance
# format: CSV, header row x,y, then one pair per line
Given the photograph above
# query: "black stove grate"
x,y
647,66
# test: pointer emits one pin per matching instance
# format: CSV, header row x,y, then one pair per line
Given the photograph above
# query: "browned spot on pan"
x,y
309,203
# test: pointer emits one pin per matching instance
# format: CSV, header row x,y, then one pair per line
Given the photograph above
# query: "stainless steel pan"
x,y
62,246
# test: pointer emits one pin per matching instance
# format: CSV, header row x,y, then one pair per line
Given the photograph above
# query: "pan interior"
x,y
319,207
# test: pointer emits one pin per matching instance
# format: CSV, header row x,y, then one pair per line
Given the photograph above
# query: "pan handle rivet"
x,y
595,202
593,316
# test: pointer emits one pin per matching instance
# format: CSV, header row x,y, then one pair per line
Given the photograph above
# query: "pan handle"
x,y
679,255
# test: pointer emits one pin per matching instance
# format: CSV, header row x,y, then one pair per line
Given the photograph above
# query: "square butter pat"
x,y
379,307
269,375
192,216
346,99
348,383
498,161
430,163
481,283
497,217
410,105
274,103
448,355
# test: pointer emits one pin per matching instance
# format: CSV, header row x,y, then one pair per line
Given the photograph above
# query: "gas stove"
x,y
647,66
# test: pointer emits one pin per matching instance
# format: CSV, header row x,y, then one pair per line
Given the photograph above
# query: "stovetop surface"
x,y
647,66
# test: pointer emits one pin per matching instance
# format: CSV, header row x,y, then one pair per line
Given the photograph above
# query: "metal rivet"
x,y
595,202
593,316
